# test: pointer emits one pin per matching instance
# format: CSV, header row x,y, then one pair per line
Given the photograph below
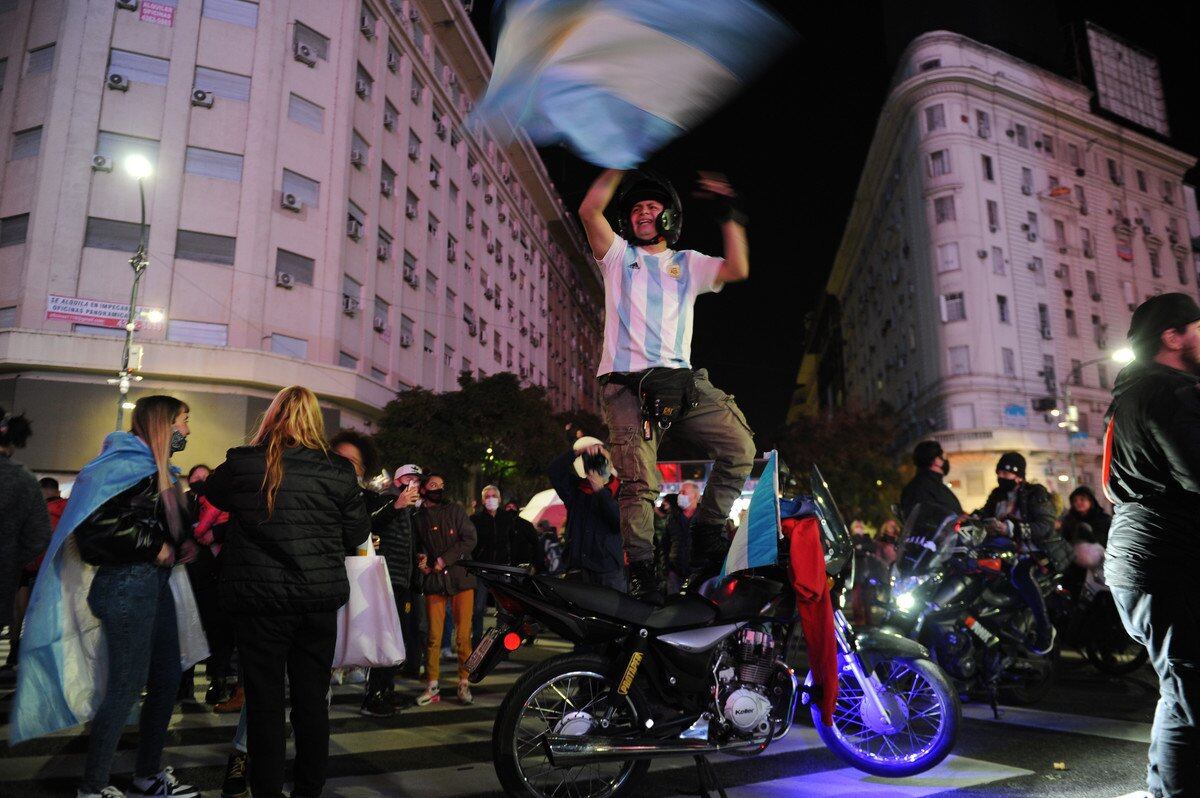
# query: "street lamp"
x,y
139,168
1070,413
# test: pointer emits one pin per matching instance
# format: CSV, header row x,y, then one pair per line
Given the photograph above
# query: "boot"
x,y
377,705
643,582
217,692
709,548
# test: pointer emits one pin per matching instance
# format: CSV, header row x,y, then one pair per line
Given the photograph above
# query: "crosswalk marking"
x,y
1057,721
955,773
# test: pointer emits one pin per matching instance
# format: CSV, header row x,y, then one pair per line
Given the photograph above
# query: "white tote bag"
x,y
193,645
369,632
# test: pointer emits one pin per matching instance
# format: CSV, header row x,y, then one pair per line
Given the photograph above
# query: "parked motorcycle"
x,y
699,675
951,592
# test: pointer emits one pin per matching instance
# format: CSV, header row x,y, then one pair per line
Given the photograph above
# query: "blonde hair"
x,y
152,420
293,419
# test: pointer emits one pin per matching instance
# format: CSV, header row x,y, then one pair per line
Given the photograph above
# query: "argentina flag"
x,y
756,542
616,80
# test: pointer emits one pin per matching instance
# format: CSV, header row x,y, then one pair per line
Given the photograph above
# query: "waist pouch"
x,y
665,396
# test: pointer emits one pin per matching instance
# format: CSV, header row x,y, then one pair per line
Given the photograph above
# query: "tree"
x,y
853,448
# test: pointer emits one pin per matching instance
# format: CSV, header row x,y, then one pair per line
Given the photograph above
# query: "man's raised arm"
x,y
600,234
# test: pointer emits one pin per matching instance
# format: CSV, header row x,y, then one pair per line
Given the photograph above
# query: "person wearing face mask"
x,y
407,479
494,530
445,535
1152,476
927,487
1024,512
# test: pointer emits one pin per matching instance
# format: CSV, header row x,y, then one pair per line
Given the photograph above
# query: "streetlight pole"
x,y
139,167
1070,422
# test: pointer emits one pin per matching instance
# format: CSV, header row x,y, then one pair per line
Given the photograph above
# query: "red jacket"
x,y
811,585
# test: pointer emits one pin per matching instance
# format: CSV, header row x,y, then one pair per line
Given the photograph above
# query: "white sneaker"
x,y
164,785
432,694
356,676
107,792
464,693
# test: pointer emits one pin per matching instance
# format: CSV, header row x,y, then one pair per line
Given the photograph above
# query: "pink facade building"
x,y
319,212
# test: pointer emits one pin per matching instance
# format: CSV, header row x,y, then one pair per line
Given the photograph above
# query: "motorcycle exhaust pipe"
x,y
582,750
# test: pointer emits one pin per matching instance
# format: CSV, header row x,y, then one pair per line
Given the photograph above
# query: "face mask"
x,y
434,496
491,504
1006,485
178,441
945,466
685,502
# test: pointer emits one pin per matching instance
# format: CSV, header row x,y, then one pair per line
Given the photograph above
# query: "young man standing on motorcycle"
x,y
646,377
1152,475
1024,512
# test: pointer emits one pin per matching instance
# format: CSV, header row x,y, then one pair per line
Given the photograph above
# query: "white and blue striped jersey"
x,y
648,305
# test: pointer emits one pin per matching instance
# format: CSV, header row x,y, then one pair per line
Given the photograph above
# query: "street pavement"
x,y
1094,728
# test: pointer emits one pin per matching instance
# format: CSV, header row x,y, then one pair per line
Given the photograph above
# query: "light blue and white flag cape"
x,y
756,542
616,80
63,664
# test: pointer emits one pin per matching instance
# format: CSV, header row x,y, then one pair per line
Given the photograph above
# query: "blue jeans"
x,y
137,613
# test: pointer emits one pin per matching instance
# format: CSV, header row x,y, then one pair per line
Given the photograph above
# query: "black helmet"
x,y
646,185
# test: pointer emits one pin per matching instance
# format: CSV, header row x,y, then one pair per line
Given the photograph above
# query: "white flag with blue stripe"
x,y
756,542
616,80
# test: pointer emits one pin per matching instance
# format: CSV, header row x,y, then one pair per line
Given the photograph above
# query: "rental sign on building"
x,y
98,313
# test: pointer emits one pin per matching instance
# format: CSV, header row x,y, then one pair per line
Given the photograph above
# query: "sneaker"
x,y
447,653
464,693
1043,644
164,785
377,705
338,677
107,792
233,704
356,676
235,784
432,694
217,693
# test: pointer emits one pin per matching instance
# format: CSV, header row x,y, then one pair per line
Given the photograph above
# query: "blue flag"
x,y
757,541
616,80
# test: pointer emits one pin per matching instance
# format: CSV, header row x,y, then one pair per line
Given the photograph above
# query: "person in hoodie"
x,y
585,481
1086,521
927,487
1152,475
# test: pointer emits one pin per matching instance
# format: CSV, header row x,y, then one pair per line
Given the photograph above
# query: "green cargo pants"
x,y
715,425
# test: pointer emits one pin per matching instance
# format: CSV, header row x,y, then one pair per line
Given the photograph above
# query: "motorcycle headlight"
x,y
905,592
905,602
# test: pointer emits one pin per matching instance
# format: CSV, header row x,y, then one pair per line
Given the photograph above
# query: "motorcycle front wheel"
x,y
565,695
924,715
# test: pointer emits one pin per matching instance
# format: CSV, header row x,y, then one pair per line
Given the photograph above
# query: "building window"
x,y
206,247
935,118
1044,321
308,114
358,149
383,312
939,163
431,283
1076,372
289,346
210,163
1141,181
1022,137
1026,180
1155,263
1114,172
1072,329
316,43
364,84
943,209
347,360
993,214
387,180
298,267
1048,144
962,416
988,173
435,172
306,190
1060,232
998,261
393,56
1073,155
1032,222
1002,309
1181,271
430,342
223,84
111,234
1008,360
367,20
948,257
414,146
26,144
406,327
1048,375
418,90
954,307
983,125
41,60
13,230
384,246
1102,373
198,332
239,12
960,360
1085,240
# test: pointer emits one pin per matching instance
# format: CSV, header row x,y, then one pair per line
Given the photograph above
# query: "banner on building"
x,y
98,313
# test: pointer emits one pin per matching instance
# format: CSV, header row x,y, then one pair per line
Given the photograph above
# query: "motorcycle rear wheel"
x,y
1109,647
929,713
563,694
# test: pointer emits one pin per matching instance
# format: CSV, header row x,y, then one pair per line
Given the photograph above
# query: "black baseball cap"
x,y
1160,313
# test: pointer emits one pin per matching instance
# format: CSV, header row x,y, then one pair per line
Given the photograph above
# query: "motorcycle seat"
x,y
677,611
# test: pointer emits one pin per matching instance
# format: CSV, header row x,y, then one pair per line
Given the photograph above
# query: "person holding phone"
x,y
587,484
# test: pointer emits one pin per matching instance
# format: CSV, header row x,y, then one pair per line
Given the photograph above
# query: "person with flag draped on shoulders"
x,y
102,621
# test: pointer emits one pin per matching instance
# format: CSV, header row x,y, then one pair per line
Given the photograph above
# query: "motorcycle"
x,y
698,675
951,592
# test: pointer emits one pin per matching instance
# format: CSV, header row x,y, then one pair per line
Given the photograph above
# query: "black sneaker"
x,y
643,582
235,785
378,705
217,692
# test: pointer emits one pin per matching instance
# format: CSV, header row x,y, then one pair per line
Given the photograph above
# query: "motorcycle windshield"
x,y
928,539
838,545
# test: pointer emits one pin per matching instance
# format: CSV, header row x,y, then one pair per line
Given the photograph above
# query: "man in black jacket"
x,y
593,518
926,488
1152,475
1024,512
494,531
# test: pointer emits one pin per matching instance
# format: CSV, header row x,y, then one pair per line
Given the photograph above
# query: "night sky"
x,y
795,142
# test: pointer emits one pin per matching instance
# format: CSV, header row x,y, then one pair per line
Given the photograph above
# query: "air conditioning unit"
x,y
362,88
379,323
1062,250
202,98
102,163
354,229
410,277
440,129
512,276
1032,236
410,210
291,202
499,256
1146,229
434,178
472,330
383,252
980,253
489,198
405,340
366,26
127,5
1083,209
489,292
993,228
389,120
349,305
413,14
393,60
451,254
385,188
524,373
524,331
304,54
1096,296
470,222
506,173
284,280
1088,252
1027,190
497,302
416,96
502,216
414,151
1169,199
1173,238
491,247
475,176
117,82
357,158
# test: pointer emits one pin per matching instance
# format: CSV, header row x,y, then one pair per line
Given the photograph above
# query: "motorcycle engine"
x,y
955,653
748,711
746,706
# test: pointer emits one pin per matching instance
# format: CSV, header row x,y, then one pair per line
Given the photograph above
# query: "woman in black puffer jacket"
x,y
295,512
